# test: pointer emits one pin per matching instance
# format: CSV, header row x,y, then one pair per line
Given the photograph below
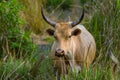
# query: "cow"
x,y
73,47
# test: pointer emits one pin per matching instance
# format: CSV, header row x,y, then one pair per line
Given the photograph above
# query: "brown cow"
x,y
73,47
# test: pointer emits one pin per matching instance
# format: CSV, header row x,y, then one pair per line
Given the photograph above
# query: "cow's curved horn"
x,y
74,23
52,23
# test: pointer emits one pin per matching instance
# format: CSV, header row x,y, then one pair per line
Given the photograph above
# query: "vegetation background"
x,y
24,46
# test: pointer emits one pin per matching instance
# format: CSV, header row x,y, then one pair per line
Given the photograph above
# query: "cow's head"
x,y
63,32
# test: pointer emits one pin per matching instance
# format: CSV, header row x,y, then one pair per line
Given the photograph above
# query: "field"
x,y
25,46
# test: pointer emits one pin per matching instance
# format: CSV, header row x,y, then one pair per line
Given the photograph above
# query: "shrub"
x,y
13,40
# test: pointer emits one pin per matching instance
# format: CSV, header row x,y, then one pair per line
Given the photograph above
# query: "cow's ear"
x,y
76,32
50,32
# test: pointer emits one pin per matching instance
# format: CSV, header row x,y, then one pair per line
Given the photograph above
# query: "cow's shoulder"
x,y
81,27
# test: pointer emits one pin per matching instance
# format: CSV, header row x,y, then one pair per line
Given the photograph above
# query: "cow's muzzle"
x,y
59,53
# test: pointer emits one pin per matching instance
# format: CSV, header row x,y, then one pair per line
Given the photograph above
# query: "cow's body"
x,y
73,47
82,50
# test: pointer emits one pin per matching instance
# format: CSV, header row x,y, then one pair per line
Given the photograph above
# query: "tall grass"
x,y
102,19
32,15
104,25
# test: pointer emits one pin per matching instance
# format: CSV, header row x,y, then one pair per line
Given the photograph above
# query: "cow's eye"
x,y
55,36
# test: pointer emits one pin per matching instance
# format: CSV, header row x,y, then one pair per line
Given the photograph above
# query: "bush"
x,y
13,40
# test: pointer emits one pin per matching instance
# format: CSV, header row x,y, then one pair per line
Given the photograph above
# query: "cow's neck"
x,y
75,56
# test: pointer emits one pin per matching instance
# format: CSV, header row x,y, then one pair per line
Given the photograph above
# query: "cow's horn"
x,y
74,23
52,23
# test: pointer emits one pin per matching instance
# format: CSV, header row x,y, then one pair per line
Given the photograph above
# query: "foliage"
x,y
13,40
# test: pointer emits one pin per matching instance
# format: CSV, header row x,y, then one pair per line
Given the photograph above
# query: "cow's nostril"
x,y
59,52
62,51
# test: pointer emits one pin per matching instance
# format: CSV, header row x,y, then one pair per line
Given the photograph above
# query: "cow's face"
x,y
63,33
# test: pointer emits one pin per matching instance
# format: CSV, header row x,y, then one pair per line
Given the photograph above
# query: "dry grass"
x,y
32,15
